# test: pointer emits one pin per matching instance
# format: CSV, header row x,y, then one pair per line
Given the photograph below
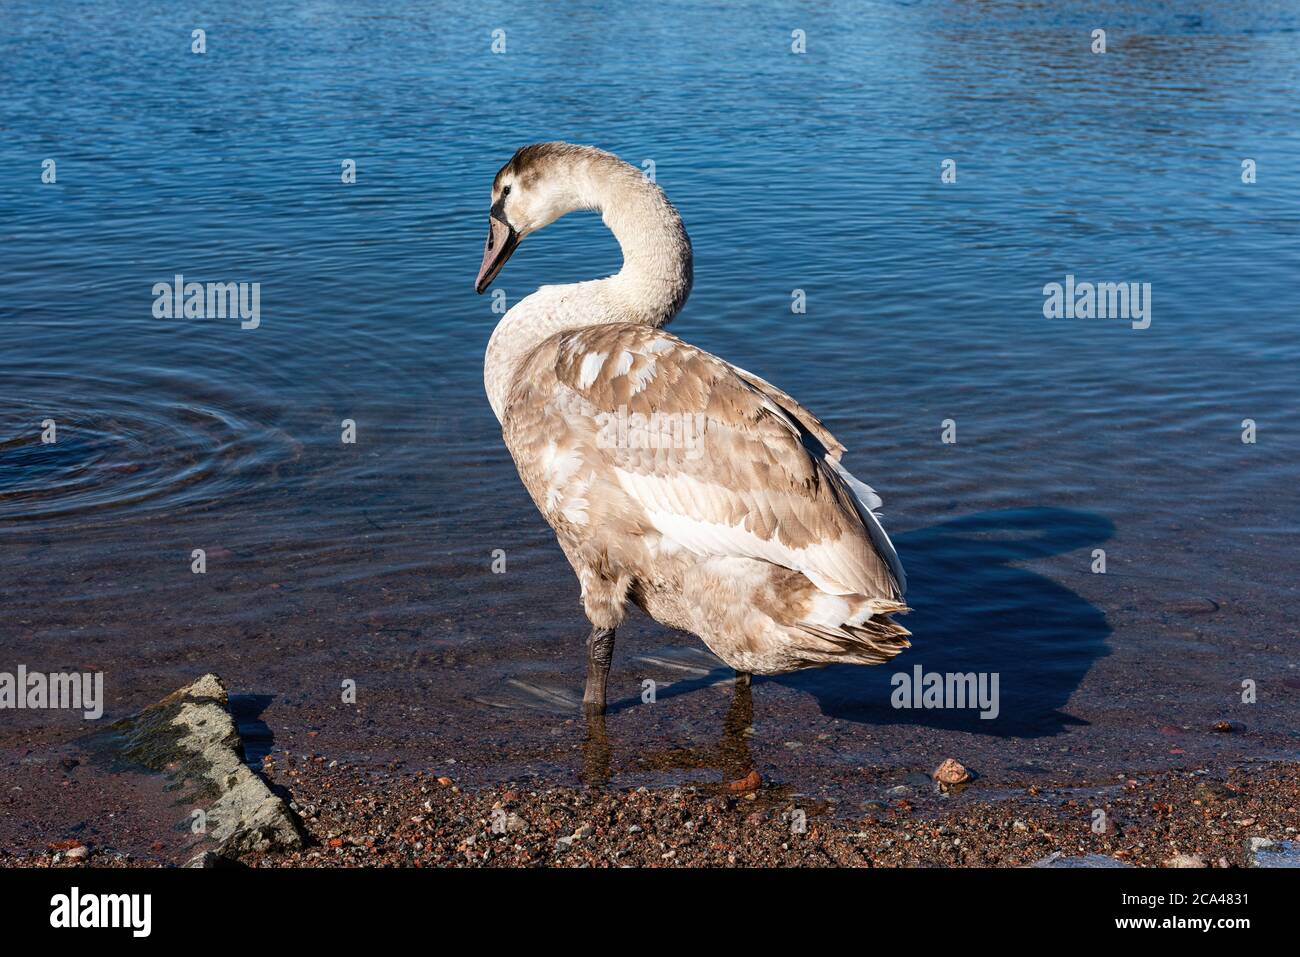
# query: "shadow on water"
x,y
975,610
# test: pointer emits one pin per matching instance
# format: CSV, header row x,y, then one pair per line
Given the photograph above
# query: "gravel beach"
x,y
363,817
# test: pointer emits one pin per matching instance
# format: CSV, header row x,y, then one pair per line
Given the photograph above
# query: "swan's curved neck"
x,y
657,268
651,287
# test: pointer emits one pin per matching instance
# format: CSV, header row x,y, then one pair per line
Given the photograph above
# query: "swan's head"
x,y
540,184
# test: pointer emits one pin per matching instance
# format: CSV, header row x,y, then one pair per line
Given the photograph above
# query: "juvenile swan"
x,y
710,498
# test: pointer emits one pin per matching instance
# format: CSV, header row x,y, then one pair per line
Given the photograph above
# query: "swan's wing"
x,y
626,426
867,499
813,425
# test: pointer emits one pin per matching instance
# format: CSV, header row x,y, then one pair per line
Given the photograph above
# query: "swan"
x,y
694,489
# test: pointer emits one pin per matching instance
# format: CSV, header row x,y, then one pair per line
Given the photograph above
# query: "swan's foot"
x,y
600,652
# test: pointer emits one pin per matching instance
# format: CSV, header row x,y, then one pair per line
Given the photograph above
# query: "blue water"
x,y
817,171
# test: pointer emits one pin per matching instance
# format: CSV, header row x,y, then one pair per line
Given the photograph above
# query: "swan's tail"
x,y
870,640
775,619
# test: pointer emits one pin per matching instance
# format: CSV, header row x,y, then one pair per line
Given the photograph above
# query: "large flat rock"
x,y
191,736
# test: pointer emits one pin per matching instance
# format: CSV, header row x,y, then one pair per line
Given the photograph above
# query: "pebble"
x,y
951,772
750,782
1192,606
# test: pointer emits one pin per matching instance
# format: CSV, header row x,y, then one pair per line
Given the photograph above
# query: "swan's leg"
x,y
600,652
743,679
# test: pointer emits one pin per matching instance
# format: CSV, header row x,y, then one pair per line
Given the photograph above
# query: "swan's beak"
x,y
501,242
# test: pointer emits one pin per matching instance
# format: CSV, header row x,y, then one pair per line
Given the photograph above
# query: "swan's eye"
x,y
505,190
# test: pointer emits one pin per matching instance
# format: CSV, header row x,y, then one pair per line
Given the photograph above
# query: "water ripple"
x,y
123,448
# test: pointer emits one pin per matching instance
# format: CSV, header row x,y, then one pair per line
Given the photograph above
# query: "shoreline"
x,y
356,816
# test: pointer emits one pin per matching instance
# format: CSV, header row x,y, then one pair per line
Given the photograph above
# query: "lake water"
x,y
818,171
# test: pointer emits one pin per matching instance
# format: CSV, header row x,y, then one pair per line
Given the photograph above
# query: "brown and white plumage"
x,y
697,490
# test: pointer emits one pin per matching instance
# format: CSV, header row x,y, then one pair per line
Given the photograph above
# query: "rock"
x,y
78,853
1057,859
191,736
1192,606
1261,852
1186,860
1228,727
950,774
901,791
209,859
750,782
